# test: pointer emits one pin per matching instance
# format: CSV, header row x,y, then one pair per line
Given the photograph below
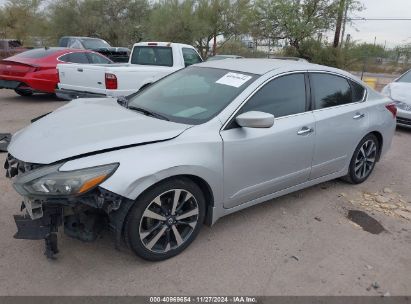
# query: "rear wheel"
x,y
363,161
23,92
165,220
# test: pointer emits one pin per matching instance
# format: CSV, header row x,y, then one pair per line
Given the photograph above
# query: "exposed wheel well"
x,y
204,186
380,142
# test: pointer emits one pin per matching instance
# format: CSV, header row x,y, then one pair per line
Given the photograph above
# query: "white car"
x,y
400,92
148,62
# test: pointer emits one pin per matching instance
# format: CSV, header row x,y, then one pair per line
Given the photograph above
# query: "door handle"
x,y
80,70
305,130
358,115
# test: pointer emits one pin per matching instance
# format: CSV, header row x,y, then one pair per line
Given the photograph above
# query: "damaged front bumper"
x,y
45,227
83,217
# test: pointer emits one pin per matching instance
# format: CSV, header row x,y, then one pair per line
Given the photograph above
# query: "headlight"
x,y
50,181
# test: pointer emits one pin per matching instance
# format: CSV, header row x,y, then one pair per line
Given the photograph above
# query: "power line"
x,y
378,19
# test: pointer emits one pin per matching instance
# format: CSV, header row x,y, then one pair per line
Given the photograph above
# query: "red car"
x,y
36,70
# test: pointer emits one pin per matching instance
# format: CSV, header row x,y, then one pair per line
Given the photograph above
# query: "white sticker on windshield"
x,y
234,79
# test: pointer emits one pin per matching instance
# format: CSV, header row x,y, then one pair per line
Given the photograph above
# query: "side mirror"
x,y
255,119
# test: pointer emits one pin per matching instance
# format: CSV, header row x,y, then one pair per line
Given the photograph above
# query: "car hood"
x,y
399,91
85,126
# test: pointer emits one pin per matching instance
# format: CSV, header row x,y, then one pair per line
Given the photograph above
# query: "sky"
x,y
390,33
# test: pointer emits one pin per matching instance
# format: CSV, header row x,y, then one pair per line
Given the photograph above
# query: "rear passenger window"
x,y
330,90
281,97
190,57
78,58
98,59
358,91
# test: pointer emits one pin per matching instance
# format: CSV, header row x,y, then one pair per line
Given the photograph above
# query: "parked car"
x,y
35,70
10,47
287,58
221,57
116,54
400,91
204,142
149,61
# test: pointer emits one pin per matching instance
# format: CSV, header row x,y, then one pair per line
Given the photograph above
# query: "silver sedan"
x,y
202,143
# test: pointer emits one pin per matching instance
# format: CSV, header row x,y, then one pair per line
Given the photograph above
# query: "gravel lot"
x,y
300,244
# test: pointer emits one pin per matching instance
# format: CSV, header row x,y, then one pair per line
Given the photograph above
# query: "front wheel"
x,y
363,161
165,219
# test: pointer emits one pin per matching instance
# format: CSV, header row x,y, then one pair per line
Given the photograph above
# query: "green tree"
x,y
23,20
293,20
173,20
121,22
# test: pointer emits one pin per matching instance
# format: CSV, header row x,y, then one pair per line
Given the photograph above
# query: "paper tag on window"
x,y
233,79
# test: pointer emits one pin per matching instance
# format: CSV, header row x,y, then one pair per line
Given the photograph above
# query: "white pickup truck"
x,y
149,61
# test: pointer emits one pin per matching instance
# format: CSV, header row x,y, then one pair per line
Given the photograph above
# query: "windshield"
x,y
94,43
193,95
405,78
152,55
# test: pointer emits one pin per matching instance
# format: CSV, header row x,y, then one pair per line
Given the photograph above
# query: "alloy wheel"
x,y
169,220
365,161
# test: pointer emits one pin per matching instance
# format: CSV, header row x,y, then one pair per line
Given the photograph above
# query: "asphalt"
x,y
299,244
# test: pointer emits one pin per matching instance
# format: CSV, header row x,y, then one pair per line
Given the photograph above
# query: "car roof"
x,y
255,65
222,55
81,37
261,66
161,43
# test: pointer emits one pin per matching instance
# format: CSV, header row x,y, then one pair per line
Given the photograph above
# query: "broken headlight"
x,y
49,181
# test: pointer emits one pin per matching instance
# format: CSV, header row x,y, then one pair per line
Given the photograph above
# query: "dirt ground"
x,y
299,244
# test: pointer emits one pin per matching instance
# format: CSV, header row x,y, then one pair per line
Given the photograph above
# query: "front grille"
x,y
15,167
404,121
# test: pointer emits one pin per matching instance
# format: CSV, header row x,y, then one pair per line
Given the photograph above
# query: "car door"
x,y
261,161
341,121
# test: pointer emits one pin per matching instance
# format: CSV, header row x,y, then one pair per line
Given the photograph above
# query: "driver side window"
x,y
282,96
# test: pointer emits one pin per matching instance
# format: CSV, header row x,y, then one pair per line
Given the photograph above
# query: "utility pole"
x,y
339,23
347,5
214,44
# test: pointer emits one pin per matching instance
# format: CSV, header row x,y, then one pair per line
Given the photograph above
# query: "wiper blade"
x,y
148,113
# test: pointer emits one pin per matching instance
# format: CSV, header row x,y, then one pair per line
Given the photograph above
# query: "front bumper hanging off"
x,y
45,228
83,217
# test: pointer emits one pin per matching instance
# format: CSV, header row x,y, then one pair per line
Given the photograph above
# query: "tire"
x,y
172,227
356,172
24,93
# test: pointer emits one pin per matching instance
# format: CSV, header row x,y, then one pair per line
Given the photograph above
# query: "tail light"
x,y
111,81
10,68
392,108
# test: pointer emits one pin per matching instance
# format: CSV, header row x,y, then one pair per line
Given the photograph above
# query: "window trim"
x,y
348,79
308,98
